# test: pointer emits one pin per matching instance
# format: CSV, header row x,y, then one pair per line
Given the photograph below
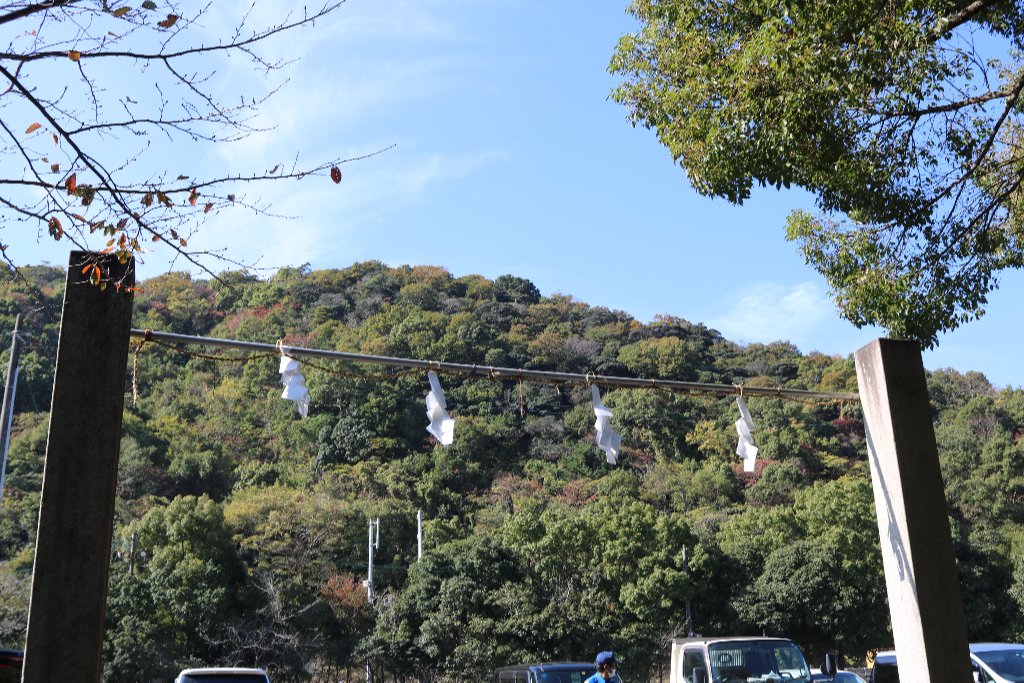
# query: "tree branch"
x,y
29,10
966,14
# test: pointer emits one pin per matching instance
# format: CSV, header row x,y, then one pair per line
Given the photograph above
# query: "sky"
x,y
505,154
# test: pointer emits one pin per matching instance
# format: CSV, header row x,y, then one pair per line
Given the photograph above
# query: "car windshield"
x,y
577,676
761,660
226,676
1007,662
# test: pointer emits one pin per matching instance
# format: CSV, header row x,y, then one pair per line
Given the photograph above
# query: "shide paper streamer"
x,y
745,427
441,425
608,440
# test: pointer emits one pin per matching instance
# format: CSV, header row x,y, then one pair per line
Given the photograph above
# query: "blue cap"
x,y
604,658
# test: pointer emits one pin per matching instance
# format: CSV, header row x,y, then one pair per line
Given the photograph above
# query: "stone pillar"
x,y
927,612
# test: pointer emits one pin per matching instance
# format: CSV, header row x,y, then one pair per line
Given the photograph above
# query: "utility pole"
x,y
373,544
7,412
419,535
689,616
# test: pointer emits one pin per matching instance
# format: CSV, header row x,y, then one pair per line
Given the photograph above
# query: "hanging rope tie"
x,y
608,440
293,381
745,428
441,426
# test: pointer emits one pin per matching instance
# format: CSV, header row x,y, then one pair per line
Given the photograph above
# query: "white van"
x,y
223,674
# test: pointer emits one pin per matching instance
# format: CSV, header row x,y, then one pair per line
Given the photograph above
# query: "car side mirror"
x,y
829,668
698,676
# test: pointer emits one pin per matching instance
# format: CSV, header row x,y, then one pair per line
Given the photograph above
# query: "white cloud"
x,y
769,312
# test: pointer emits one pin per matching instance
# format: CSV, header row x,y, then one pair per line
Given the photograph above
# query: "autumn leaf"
x,y
193,196
164,199
56,231
54,168
207,208
156,238
33,128
72,183
335,174
95,275
147,199
54,136
168,22
74,55
149,4
121,11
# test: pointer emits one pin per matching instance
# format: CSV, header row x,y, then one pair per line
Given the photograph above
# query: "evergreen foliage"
x,y
241,528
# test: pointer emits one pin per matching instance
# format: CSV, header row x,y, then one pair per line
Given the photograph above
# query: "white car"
x,y
991,662
226,674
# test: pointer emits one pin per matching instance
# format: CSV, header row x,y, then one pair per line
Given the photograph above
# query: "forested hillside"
x,y
241,530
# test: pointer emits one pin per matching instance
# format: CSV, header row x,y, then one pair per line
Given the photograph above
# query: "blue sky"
x,y
509,157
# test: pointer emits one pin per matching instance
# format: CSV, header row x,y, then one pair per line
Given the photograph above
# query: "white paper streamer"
x,y
608,440
745,428
294,384
441,425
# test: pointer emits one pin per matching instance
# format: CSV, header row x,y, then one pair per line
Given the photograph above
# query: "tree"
x,y
106,90
902,119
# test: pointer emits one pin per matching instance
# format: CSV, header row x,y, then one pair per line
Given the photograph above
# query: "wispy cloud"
x,y
769,312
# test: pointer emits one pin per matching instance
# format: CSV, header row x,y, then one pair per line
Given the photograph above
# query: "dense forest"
x,y
241,532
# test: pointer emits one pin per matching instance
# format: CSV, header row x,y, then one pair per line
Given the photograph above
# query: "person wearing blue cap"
x,y
606,665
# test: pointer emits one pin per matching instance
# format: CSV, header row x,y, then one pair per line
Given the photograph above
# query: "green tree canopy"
x,y
900,117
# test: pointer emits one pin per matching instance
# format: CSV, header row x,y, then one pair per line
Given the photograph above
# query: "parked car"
x,y
991,662
549,672
230,674
840,677
11,662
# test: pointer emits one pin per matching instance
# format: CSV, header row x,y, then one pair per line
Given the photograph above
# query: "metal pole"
x,y
369,570
689,616
7,412
419,535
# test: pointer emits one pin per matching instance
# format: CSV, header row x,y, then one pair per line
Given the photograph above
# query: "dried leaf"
x,y
54,168
149,4
72,183
156,238
56,231
183,242
85,268
56,140
147,199
95,275
121,11
207,208
193,196
33,128
335,174
103,286
168,22
74,55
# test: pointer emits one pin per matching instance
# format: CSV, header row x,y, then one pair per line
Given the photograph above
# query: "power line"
x,y
500,373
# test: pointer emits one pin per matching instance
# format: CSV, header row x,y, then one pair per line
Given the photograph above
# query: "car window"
x,y
692,659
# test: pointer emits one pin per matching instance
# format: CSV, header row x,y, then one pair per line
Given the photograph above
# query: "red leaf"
x,y
33,128
193,196
206,209
72,183
335,174
56,232
74,55
168,22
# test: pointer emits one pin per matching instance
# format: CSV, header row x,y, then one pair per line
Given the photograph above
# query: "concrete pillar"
x,y
928,621
76,513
